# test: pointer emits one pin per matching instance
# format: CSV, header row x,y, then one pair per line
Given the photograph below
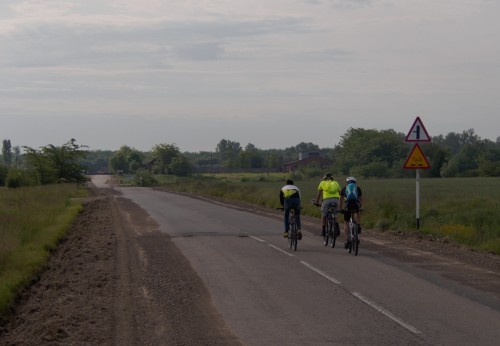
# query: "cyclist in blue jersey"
x,y
351,200
290,199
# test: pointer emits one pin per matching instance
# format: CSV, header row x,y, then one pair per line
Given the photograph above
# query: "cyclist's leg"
x,y
358,214
286,206
324,212
295,204
336,204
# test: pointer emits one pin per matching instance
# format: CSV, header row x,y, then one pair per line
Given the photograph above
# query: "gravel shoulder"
x,y
116,279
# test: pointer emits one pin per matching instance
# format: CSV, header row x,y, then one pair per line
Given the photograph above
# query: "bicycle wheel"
x,y
328,229
334,234
292,237
292,234
351,231
355,240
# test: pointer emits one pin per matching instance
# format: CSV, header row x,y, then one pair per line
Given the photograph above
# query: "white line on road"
x,y
326,276
280,250
365,300
387,313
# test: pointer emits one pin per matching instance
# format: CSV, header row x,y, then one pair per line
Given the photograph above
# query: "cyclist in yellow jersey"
x,y
290,199
329,192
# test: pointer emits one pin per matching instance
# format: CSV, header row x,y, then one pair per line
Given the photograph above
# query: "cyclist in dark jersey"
x,y
290,199
351,199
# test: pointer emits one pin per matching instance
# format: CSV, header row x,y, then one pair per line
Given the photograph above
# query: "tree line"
x,y
360,152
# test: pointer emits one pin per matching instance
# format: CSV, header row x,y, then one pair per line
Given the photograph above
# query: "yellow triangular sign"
x,y
417,159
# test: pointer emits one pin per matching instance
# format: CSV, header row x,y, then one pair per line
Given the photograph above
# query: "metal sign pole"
x,y
418,198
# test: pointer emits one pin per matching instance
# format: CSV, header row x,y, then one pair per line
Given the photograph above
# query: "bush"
x,y
17,178
144,177
3,174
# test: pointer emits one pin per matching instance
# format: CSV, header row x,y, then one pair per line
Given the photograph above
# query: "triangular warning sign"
x,y
417,159
418,133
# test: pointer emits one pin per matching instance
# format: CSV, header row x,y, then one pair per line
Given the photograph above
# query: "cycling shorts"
x,y
327,203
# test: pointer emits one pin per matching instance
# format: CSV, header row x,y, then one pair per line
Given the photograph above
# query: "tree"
x,y
165,154
51,164
7,152
126,160
180,166
229,153
251,157
360,147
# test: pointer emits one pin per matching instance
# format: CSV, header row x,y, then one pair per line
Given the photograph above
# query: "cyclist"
x,y
352,196
329,191
290,199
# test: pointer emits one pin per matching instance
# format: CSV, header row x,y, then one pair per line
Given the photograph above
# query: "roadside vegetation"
x,y
460,210
34,220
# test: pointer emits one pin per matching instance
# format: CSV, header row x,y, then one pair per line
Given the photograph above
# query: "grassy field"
x,y
464,210
33,220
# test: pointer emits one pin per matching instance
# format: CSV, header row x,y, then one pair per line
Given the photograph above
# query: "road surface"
x,y
269,295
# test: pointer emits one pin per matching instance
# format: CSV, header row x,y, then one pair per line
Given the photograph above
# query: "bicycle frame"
x,y
330,237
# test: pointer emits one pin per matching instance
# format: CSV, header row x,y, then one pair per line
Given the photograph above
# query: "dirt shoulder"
x,y
116,279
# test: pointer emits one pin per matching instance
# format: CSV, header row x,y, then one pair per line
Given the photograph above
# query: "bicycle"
x,y
293,232
332,228
353,240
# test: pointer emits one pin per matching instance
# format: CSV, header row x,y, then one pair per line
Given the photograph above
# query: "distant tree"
x,y
437,157
51,164
251,157
7,152
97,161
17,156
126,160
306,147
180,166
165,154
229,153
360,147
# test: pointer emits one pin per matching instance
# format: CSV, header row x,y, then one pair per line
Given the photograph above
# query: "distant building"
x,y
305,159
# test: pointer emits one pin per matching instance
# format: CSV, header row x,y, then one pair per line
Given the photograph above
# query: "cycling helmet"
x,y
351,179
328,176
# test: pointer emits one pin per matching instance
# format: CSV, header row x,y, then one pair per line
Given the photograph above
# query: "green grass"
x,y
464,210
34,220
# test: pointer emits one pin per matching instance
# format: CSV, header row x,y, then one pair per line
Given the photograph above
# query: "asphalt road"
x,y
270,295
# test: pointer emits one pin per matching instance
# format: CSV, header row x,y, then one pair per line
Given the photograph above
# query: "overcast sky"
x,y
272,73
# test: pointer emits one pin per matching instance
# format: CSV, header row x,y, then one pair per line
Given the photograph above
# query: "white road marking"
x,y
280,250
387,313
365,300
326,276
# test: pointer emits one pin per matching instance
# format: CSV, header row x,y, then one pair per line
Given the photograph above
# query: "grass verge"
x,y
34,220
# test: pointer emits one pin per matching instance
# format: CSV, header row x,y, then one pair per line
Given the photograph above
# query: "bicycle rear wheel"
x,y
334,234
292,236
351,232
355,246
328,231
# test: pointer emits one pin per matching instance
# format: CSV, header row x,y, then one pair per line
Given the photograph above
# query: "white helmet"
x,y
351,179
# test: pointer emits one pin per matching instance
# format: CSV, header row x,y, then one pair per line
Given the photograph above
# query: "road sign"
x,y
418,133
416,159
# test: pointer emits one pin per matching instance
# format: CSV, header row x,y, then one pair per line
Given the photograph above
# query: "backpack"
x,y
351,192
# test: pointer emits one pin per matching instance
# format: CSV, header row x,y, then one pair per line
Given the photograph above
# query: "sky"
x,y
271,73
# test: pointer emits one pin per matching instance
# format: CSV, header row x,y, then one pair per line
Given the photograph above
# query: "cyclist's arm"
x,y
282,198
